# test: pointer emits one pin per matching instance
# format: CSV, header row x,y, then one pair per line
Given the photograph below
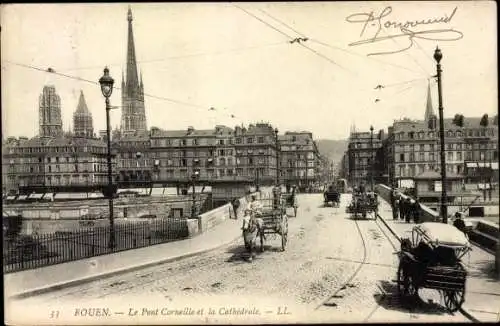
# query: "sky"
x,y
238,59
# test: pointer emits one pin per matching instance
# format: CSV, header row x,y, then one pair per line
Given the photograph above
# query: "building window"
x,y
401,157
249,140
260,140
431,157
183,162
459,156
238,140
431,147
412,157
221,152
421,147
221,141
195,142
421,157
450,156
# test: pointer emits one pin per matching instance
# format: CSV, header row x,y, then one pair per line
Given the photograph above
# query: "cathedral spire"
x,y
133,113
82,105
429,111
132,79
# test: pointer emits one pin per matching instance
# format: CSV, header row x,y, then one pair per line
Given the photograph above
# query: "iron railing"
x,y
22,252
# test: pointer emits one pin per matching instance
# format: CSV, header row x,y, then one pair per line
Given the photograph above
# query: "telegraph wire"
x,y
332,46
52,71
183,56
300,43
263,21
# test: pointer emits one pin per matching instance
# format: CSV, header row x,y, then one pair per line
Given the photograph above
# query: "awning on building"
x,y
471,165
11,197
48,196
22,197
35,196
71,195
157,191
482,186
96,195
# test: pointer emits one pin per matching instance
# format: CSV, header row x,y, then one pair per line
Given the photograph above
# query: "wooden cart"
x,y
432,260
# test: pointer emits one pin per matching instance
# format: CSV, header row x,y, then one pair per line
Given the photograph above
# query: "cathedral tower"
x,y
82,120
50,113
133,112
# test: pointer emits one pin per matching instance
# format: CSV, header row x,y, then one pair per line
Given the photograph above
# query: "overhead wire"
x,y
332,46
51,71
182,56
300,43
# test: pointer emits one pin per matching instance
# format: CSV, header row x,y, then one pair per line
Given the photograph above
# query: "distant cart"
x,y
364,204
432,260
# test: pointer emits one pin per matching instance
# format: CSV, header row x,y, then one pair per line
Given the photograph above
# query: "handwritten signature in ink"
x,y
369,19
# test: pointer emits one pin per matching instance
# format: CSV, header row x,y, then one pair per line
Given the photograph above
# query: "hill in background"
x,y
333,149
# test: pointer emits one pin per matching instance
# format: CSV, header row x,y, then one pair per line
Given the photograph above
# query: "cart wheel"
x,y
406,286
453,300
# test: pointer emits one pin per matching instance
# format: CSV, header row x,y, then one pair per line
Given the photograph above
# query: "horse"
x,y
251,231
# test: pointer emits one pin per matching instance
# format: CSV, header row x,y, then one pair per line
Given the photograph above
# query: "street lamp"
x,y
106,82
371,157
444,209
277,158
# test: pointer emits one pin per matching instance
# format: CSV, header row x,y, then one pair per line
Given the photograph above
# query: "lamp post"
x,y
277,158
444,209
371,158
195,176
106,82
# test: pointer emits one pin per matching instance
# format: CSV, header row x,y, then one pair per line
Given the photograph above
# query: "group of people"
x,y
406,209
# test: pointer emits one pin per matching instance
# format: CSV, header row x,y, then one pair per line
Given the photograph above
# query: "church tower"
x,y
133,112
82,120
49,112
430,118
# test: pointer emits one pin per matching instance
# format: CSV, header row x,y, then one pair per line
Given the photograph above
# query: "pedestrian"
x,y
395,209
459,222
416,212
408,214
236,205
402,204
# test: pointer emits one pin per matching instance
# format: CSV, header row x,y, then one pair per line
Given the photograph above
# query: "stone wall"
x,y
57,216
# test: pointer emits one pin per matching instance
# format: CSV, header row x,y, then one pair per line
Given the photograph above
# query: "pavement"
x,y
37,281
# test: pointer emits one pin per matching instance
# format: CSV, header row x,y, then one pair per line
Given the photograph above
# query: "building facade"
x,y
365,157
413,147
55,164
133,110
50,121
300,162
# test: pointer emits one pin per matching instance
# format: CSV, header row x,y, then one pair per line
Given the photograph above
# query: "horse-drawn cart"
x,y
269,219
432,260
331,196
363,204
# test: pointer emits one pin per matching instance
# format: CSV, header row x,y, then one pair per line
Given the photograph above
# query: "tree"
x,y
458,120
484,121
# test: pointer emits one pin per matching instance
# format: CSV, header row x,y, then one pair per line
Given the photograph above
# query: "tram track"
x,y
353,275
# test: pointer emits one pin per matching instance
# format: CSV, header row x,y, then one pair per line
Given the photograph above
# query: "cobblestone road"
x,y
325,248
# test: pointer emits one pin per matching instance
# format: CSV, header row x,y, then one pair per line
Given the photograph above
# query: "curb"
x,y
71,283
